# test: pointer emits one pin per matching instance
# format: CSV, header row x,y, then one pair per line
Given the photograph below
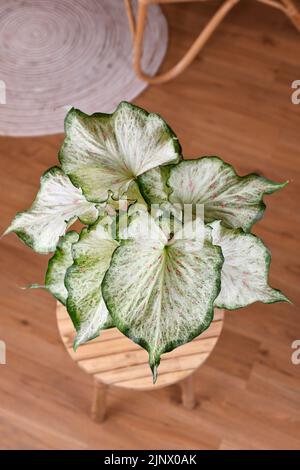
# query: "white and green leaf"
x,y
244,277
140,224
57,205
153,185
106,152
92,256
160,293
58,265
236,200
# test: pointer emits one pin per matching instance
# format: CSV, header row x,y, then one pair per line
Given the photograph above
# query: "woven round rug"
x,y
55,54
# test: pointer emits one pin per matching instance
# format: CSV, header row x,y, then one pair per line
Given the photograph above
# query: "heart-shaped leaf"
x,y
92,256
106,152
236,200
160,293
57,205
244,277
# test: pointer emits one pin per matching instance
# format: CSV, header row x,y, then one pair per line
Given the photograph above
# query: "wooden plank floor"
x,y
234,101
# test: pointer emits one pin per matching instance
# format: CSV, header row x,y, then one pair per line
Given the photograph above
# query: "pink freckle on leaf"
x,y
191,185
169,270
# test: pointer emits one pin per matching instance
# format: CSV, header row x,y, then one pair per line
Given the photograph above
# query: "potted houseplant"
x,y
143,262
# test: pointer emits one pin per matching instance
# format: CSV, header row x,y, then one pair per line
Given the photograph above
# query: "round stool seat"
x,y
113,359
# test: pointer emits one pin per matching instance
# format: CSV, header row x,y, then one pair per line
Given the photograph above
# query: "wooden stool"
x,y
286,6
114,360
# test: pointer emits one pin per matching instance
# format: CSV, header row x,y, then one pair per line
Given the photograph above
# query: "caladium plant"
x,y
135,266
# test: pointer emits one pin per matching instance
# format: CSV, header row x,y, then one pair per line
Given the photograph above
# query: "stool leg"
x,y
188,393
98,411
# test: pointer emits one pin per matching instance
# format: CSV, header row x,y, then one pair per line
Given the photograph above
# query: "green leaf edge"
x,y
268,258
164,169
20,233
72,310
173,344
58,253
261,204
67,124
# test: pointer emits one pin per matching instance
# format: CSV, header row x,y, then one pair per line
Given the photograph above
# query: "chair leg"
x,y
288,7
188,396
98,411
292,13
138,29
203,37
130,15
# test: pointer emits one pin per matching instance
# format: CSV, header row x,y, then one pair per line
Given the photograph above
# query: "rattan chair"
x,y
138,27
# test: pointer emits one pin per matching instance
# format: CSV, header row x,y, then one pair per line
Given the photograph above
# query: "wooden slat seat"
x,y
112,359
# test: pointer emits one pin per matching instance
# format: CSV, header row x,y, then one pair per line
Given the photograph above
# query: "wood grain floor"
x,y
234,101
